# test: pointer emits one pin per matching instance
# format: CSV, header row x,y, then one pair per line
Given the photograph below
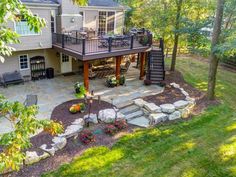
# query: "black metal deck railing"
x,y
105,44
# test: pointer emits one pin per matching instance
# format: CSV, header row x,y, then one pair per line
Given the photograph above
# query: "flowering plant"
x,y
110,129
86,136
120,124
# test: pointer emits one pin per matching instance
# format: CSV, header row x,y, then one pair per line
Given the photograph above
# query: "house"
x,y
70,39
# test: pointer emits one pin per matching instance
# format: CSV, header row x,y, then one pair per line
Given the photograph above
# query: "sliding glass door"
x,y
106,22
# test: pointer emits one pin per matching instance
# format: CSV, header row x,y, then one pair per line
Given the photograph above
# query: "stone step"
x,y
134,115
140,121
129,109
124,104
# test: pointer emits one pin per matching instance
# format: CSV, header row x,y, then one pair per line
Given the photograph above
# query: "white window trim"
x,y
106,18
27,62
25,35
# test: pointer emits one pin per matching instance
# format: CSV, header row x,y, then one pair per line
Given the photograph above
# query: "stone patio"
x,y
60,89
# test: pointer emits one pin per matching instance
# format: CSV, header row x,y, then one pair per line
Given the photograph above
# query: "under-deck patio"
x,y
53,92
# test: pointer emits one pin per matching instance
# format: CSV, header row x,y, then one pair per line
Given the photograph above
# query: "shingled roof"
x,y
40,1
103,3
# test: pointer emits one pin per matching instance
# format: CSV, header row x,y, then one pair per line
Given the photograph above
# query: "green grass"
x,y
203,146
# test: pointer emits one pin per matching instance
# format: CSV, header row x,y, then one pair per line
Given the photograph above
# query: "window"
x,y
52,22
65,58
106,22
24,62
23,28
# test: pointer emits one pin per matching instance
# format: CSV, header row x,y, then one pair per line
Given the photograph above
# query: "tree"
x,y
214,60
176,33
24,124
14,10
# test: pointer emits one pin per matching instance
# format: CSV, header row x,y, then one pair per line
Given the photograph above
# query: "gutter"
x,y
41,4
103,7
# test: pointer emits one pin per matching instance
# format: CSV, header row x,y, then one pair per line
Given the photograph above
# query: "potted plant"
x,y
144,41
79,89
111,81
122,80
82,107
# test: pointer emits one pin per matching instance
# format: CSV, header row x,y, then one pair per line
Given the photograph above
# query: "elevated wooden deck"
x,y
96,48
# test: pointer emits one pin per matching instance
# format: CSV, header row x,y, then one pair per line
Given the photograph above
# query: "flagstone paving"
x,y
61,89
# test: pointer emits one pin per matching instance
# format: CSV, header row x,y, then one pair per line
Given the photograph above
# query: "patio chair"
x,y
12,78
92,74
31,100
124,68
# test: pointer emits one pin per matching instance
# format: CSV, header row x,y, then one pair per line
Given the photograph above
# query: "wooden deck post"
x,y
142,65
118,62
86,75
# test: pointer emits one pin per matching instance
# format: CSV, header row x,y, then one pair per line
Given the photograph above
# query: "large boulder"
x,y
175,115
59,142
31,157
109,115
71,131
93,118
152,107
50,151
167,108
79,121
158,117
139,102
175,85
181,104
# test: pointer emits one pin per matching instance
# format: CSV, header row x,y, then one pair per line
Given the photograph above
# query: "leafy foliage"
x,y
14,11
24,124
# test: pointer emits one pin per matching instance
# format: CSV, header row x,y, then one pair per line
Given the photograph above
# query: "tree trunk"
x,y
213,58
176,38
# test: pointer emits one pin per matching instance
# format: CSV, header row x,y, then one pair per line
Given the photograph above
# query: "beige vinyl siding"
x,y
67,7
42,40
12,63
91,19
66,23
120,15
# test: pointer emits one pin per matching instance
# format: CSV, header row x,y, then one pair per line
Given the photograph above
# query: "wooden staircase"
x,y
156,65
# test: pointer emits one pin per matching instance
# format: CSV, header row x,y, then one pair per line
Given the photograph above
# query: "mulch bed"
x,y
74,148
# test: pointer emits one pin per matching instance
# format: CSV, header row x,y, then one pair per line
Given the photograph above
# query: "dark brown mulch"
x,y
170,95
73,149
201,100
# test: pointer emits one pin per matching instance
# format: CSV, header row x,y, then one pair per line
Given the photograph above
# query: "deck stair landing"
x,y
135,115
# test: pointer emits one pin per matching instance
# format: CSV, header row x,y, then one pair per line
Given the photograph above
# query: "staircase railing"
x,y
163,57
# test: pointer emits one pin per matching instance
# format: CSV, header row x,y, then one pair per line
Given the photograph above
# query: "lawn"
x,y
203,146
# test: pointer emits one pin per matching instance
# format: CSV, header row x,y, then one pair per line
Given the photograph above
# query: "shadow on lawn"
x,y
195,147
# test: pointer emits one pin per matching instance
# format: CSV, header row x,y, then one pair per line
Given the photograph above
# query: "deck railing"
x,y
102,45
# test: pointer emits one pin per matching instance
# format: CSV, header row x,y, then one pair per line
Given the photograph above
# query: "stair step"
x,y
140,121
156,77
124,104
129,109
134,115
